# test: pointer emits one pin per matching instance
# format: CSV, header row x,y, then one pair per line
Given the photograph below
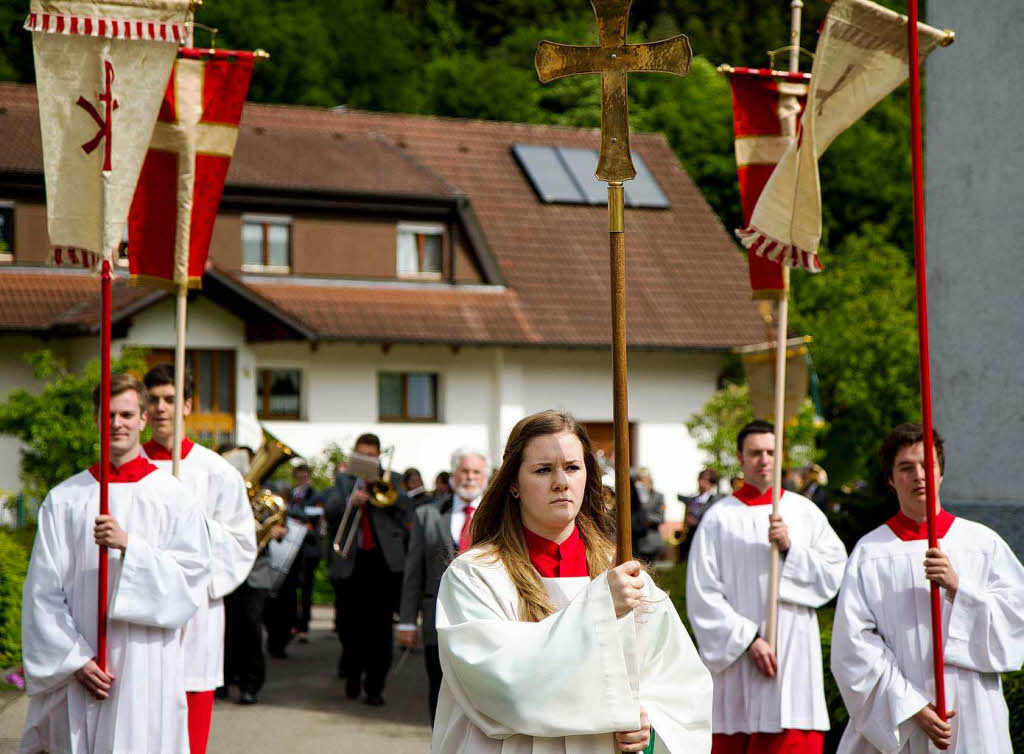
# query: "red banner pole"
x,y
101,611
922,328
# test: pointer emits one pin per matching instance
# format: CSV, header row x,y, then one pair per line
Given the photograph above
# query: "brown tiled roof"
x,y
686,281
43,300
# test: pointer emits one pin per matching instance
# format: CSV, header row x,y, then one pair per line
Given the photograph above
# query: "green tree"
x,y
720,420
57,425
862,313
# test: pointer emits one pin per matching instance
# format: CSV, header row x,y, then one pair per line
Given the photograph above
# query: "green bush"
x,y
15,547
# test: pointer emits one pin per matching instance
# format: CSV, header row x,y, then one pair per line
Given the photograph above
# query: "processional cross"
x,y
614,58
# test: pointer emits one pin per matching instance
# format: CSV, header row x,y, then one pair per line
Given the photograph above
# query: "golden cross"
x,y
613,59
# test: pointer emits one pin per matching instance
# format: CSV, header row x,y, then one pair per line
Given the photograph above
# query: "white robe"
x,y
726,600
154,588
219,490
882,646
566,683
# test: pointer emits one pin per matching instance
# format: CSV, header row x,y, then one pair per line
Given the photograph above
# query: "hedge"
x,y
673,581
15,548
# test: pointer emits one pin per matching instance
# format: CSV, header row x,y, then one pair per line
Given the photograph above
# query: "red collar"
x,y
127,473
909,530
158,452
750,495
554,560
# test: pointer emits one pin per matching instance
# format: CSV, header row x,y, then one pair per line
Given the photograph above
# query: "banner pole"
x,y
782,335
104,410
179,380
923,346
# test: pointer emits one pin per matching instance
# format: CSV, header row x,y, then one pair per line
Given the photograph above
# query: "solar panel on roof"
x,y
548,175
581,164
643,191
565,175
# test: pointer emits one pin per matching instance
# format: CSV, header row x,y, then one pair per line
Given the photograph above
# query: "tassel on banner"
x,y
776,251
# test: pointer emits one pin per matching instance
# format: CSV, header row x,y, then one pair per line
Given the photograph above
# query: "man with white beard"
x,y
882,641
440,531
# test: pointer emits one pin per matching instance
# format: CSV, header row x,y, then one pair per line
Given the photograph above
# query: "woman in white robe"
x,y
580,661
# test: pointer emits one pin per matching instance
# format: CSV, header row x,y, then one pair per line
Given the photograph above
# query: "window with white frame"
x,y
266,243
420,250
6,231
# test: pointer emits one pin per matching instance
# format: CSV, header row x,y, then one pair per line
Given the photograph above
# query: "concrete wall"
x,y
975,192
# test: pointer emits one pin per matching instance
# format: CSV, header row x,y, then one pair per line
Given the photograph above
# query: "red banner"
x,y
179,190
766,106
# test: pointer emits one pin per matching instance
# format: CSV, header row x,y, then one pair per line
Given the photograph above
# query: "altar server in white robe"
x,y
219,490
881,639
764,701
159,554
544,646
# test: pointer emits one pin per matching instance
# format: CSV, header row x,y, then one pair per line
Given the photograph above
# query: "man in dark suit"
x,y
367,582
440,531
707,486
649,514
306,506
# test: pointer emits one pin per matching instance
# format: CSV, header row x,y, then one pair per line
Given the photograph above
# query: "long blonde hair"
x,y
498,522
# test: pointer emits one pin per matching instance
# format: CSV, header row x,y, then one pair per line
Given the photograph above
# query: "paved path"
x,y
302,708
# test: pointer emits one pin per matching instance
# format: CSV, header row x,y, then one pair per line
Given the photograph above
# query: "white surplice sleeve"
x,y
566,675
675,686
232,535
52,647
986,623
162,584
877,695
723,634
812,571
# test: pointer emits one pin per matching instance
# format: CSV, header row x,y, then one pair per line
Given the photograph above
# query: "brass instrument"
x,y
382,494
678,536
268,509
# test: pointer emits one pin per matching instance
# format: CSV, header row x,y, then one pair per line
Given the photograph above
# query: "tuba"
x,y
268,509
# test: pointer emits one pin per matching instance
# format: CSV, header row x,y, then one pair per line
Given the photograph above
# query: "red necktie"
x,y
464,534
365,530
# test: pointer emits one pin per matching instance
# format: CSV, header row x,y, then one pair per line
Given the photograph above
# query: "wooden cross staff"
x,y
614,59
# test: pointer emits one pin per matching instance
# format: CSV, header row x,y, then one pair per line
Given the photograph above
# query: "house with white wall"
x,y
432,280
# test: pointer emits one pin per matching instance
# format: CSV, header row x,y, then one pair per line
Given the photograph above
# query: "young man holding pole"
x,y
764,700
159,568
881,640
219,490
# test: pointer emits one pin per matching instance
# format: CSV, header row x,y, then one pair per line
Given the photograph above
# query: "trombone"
x,y
382,494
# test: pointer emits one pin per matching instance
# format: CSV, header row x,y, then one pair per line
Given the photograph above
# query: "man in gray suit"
x,y
440,531
367,582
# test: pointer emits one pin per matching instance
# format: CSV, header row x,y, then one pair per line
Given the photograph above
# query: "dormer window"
x,y
266,243
420,250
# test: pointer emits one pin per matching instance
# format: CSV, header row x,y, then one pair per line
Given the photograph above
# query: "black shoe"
x,y
221,692
248,697
375,700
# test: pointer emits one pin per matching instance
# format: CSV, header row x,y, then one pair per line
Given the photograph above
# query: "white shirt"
x,y
726,600
882,646
154,587
219,490
459,514
567,683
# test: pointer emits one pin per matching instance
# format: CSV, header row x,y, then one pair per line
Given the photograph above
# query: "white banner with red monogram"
x,y
861,57
101,72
